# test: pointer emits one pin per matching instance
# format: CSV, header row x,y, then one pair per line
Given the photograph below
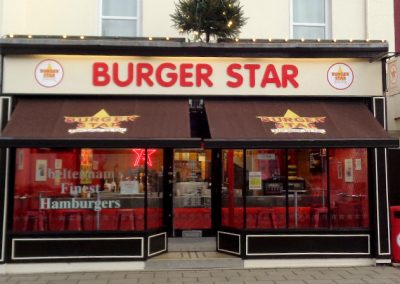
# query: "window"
x,y
316,188
309,19
120,18
83,189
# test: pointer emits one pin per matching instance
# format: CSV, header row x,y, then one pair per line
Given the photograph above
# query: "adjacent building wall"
x,y
397,24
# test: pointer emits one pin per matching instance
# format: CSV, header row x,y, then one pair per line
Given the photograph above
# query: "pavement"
x,y
372,274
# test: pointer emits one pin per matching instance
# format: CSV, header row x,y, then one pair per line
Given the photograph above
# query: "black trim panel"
x,y
229,242
270,245
157,244
66,248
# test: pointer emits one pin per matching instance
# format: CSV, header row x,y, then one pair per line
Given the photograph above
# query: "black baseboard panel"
x,y
77,248
308,245
229,242
157,244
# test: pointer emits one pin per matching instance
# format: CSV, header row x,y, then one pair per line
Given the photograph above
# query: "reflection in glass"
x,y
86,190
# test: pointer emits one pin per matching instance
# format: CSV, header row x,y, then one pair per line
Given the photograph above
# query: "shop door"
x,y
191,194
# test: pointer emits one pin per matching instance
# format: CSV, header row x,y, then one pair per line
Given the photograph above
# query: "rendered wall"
x,y
49,17
266,19
380,21
348,19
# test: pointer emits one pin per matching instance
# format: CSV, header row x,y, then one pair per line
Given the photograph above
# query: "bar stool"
x,y
35,221
319,214
73,220
266,218
126,220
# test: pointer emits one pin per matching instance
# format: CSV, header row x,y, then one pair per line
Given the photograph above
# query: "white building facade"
x,y
273,144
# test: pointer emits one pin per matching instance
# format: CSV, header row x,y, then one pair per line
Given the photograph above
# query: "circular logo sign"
x,y
340,76
393,74
398,240
49,73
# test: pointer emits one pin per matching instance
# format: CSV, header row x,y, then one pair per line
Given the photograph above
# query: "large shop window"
x,y
315,188
87,189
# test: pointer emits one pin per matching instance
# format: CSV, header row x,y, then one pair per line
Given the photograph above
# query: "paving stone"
x,y
48,277
23,277
270,278
61,282
30,282
183,279
101,281
259,282
350,281
119,275
82,276
320,282
382,281
290,282
122,281
299,277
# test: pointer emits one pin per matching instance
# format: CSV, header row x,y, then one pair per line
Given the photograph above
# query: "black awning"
x,y
99,122
293,123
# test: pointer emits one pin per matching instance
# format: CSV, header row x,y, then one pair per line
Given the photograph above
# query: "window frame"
x,y
326,24
137,18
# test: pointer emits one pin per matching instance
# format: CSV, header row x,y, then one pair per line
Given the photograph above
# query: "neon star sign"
x,y
141,156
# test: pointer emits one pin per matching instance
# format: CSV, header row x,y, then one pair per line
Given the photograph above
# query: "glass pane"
x,y
127,8
119,28
307,187
308,32
155,165
79,190
266,198
192,190
309,11
232,187
349,188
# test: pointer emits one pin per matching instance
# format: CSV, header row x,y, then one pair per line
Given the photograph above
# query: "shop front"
x,y
109,150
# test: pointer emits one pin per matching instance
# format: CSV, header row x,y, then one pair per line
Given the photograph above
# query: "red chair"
x,y
319,217
73,220
125,220
35,221
251,217
348,214
107,219
266,219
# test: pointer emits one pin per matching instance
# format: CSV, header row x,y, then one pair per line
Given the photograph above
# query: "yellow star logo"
x,y
100,122
293,123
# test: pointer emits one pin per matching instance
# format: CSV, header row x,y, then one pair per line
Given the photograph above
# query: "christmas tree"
x,y
206,18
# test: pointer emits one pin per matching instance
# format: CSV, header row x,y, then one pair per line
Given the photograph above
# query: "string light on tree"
x,y
219,18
